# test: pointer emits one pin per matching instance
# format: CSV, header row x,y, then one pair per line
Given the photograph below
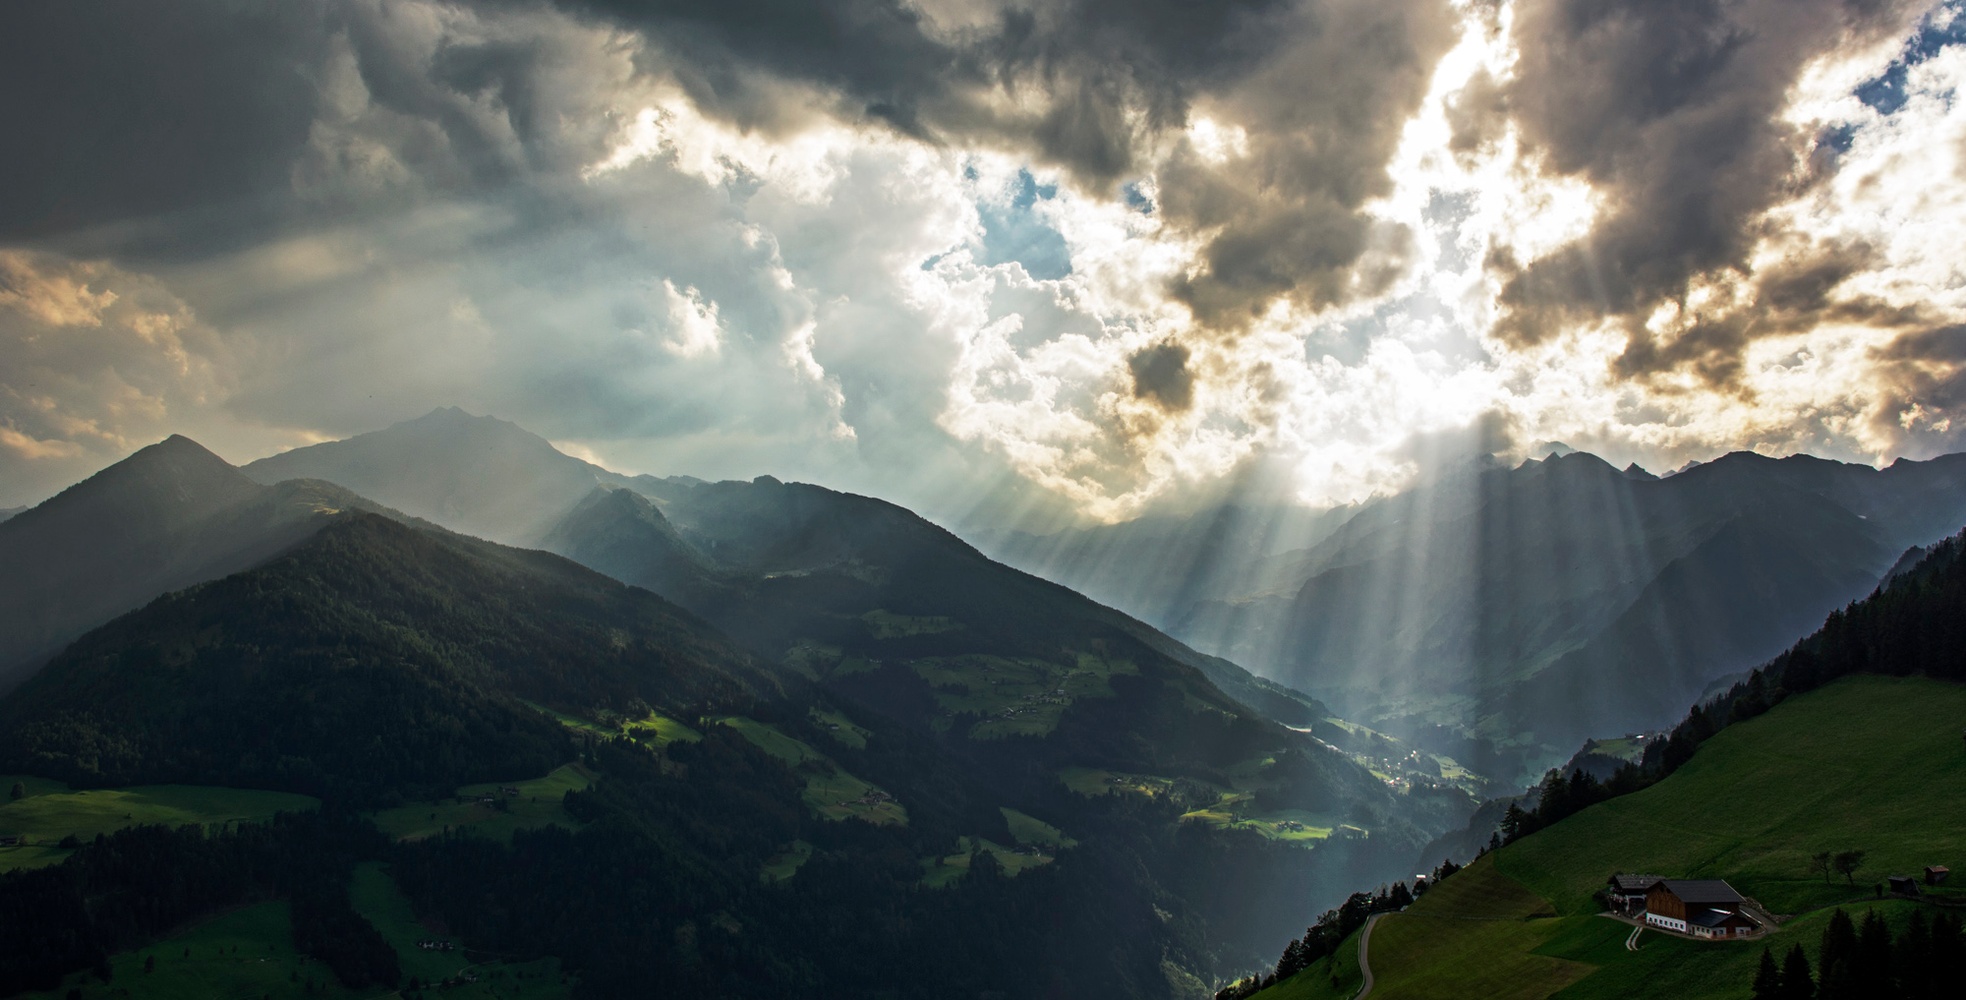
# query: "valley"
x,y
792,712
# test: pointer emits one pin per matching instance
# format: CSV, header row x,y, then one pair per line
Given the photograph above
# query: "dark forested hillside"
x,y
374,661
169,516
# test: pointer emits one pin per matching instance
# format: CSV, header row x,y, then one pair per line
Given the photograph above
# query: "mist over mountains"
x,y
1536,605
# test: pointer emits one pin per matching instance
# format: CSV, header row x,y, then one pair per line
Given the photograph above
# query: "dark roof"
x,y
1635,883
1701,890
1715,918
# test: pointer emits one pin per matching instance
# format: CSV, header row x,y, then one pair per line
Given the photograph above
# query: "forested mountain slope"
x,y
373,662
170,515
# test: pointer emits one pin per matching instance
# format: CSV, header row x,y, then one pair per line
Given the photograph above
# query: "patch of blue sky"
x,y
1015,231
1945,26
1420,319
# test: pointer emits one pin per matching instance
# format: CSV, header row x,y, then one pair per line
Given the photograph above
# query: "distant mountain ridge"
x,y
1565,598
1525,607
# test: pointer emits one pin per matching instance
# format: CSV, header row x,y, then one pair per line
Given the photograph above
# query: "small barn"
x,y
1703,907
1903,885
1934,874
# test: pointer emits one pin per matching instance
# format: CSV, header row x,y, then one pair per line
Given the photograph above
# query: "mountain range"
x,y
836,657
1505,614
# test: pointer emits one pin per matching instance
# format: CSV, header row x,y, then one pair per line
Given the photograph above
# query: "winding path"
x,y
1364,940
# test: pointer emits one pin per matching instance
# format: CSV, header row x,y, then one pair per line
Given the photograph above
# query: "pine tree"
x,y
1838,959
1913,959
1872,966
1797,984
1767,978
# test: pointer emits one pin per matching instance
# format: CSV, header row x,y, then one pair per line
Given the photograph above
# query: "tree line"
x,y
1870,962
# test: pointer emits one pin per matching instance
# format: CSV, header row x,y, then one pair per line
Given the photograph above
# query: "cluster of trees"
x,y
1914,624
1844,863
1331,930
1870,963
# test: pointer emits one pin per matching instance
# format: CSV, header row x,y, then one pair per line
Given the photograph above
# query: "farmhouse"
x,y
1708,908
1627,892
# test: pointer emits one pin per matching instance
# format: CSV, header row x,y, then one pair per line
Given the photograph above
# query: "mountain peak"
x,y
174,471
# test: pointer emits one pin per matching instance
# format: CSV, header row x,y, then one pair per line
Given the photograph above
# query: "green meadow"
x,y
51,811
376,897
1867,763
537,804
1333,977
830,791
888,625
1016,697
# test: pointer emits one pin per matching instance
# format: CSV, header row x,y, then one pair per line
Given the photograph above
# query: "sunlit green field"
x,y
1094,781
1868,763
1031,830
537,804
841,728
937,872
830,791
1038,843
51,811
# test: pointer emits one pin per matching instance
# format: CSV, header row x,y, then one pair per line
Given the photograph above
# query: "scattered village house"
x,y
1708,908
1903,885
1626,893
1934,874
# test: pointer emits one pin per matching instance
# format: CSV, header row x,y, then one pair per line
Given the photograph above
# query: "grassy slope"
x,y
377,898
1862,763
245,953
1867,763
50,811
536,805
829,792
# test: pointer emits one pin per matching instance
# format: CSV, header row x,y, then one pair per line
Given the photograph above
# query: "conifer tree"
x,y
1768,979
1797,984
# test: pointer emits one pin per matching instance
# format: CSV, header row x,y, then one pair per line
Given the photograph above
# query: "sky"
x,y
1026,260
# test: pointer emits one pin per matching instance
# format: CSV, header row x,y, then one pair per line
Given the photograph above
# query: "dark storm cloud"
x,y
116,110
1098,64
1671,110
1161,373
1321,90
